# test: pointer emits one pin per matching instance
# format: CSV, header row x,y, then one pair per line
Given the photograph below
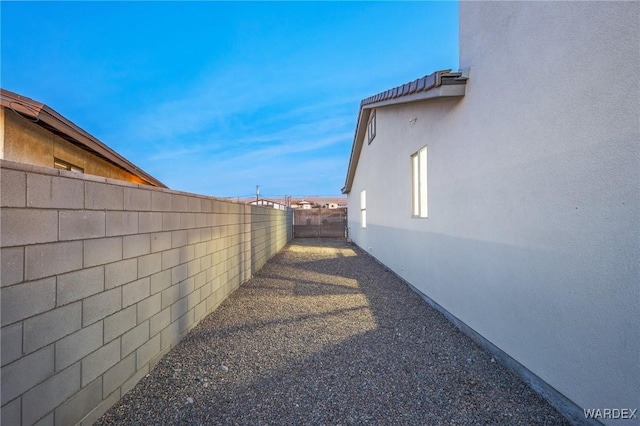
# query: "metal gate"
x,y
320,223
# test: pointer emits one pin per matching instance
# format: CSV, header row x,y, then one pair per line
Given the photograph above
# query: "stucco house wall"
x,y
533,233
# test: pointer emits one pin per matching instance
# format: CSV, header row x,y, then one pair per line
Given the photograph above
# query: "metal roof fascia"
x,y
20,104
356,148
444,91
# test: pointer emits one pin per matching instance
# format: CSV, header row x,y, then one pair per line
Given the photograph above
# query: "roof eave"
x,y
356,148
448,91
53,121
444,91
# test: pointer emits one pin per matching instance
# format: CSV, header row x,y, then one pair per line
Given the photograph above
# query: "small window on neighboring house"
x,y
363,208
419,183
371,128
64,165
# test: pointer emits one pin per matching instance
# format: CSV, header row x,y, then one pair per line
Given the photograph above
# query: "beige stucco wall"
x,y
26,142
534,193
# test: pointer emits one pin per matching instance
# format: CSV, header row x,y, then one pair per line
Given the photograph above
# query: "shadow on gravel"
x,y
323,334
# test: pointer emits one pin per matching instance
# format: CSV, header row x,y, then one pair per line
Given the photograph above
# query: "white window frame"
x,y
363,208
419,182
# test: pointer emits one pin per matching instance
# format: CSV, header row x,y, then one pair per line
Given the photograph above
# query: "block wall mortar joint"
x,y
56,300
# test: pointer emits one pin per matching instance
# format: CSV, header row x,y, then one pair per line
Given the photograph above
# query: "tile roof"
x,y
437,85
428,82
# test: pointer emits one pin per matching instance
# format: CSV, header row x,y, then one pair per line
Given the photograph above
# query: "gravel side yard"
x,y
324,335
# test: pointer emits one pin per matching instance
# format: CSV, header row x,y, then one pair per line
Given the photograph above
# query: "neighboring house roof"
x,y
438,85
265,200
47,118
321,200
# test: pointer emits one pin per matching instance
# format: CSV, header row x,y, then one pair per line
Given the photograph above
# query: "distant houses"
x,y
268,203
320,202
302,204
311,202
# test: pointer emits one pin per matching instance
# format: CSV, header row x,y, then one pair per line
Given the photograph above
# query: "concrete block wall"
x,y
100,278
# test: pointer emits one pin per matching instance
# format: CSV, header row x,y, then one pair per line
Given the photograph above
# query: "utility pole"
x,y
257,193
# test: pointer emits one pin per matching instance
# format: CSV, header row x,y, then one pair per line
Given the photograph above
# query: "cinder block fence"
x,y
101,278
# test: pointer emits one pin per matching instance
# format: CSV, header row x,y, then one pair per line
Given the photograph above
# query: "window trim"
x,y
363,208
371,127
419,184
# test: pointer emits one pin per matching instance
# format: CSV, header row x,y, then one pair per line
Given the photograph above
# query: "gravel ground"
x,y
324,335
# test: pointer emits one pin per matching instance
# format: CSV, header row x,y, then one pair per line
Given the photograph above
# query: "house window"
x,y
371,127
61,164
363,208
419,183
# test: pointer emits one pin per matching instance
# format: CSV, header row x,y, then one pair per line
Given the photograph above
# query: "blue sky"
x,y
218,97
